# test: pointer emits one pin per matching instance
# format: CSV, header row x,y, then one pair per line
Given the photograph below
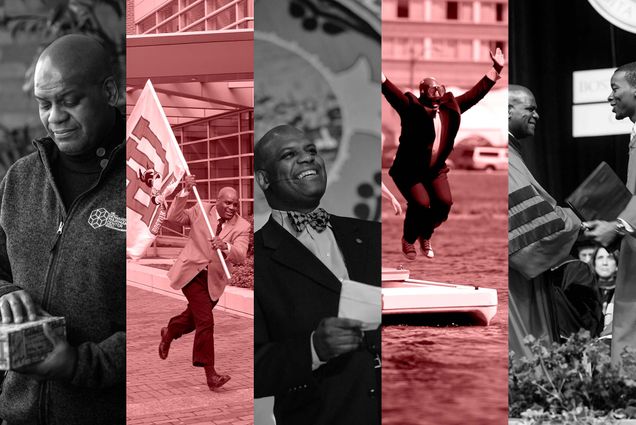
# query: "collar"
x,y
514,142
49,153
97,159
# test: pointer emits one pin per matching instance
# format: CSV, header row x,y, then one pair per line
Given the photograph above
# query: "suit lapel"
x,y
352,245
289,252
449,117
227,227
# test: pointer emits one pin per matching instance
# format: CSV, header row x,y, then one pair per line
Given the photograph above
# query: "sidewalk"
x,y
172,391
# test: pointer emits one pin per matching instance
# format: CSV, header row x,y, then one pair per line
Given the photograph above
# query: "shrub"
x,y
243,274
571,383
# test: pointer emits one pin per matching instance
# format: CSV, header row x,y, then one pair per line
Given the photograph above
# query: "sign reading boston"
x,y
621,13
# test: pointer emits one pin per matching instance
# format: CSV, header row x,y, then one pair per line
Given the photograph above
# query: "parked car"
x,y
479,158
486,158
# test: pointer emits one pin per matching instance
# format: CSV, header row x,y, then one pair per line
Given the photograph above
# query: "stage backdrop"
x,y
318,68
571,36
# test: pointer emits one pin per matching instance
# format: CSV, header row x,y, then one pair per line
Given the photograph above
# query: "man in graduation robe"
x,y
540,235
623,102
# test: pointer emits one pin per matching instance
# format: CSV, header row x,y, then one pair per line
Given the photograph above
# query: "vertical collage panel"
x,y
62,250
317,132
571,209
444,241
190,105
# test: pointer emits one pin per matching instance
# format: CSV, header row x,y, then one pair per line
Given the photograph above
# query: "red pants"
x,y
197,317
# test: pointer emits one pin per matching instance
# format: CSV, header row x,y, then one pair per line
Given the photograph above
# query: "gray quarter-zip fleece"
x,y
73,264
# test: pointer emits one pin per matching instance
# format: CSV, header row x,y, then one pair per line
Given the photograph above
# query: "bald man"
x,y
540,235
62,243
198,272
429,125
320,368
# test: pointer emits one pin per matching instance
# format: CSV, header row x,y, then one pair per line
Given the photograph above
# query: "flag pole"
x,y
207,223
194,188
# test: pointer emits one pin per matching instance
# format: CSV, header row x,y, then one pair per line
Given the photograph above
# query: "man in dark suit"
x,y
198,272
321,369
623,102
429,126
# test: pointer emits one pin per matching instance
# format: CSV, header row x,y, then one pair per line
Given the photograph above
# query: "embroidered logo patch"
x,y
102,218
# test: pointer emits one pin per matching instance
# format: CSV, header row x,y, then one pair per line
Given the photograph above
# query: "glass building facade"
x,y
210,113
198,15
220,152
439,37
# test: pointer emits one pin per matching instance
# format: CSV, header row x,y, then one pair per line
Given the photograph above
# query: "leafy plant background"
x,y
41,22
572,383
243,274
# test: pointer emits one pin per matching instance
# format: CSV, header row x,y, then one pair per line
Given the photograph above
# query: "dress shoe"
x,y
217,381
164,345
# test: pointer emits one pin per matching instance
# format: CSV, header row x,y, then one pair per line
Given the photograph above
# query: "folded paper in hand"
x,y
601,196
362,302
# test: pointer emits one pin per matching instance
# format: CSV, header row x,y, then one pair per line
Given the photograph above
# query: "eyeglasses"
x,y
436,91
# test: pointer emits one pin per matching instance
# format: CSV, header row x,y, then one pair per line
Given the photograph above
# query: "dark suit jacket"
x,y
411,164
293,292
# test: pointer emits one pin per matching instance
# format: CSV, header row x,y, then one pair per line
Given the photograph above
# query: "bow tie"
x,y
318,219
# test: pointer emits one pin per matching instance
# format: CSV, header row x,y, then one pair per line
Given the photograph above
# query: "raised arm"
x,y
394,95
177,212
475,94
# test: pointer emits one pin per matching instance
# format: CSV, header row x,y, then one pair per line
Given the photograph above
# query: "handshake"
x,y
605,232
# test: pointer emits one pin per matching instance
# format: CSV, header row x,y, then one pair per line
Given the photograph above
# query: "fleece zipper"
x,y
55,248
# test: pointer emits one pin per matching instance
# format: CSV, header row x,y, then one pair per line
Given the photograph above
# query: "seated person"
x,y
577,300
605,266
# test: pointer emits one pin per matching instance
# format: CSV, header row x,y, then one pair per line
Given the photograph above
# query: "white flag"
x,y
154,167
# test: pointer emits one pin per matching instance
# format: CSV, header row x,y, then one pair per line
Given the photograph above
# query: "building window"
x,y
500,12
492,46
465,50
497,44
220,152
452,10
146,24
403,8
197,15
402,48
443,49
387,47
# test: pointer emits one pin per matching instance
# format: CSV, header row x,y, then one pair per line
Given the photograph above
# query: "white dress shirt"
x,y
437,122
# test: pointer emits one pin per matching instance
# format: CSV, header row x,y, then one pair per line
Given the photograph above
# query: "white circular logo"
x,y
621,13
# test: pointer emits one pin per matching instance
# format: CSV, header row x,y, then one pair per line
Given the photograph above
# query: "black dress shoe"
x,y
217,381
164,345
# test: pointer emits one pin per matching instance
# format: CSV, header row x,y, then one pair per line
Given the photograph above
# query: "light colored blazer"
x,y
198,254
